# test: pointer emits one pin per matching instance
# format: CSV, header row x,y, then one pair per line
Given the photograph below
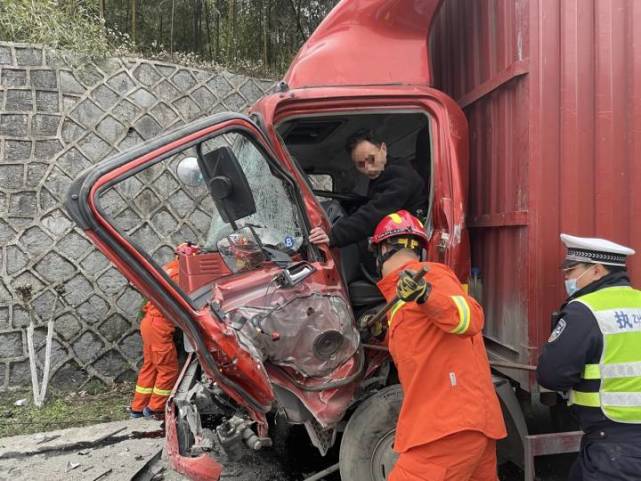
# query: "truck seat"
x,y
361,291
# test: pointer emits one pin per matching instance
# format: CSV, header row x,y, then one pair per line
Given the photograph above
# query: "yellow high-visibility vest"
x,y
617,311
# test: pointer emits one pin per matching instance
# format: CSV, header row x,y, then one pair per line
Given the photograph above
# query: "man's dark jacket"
x,y
398,187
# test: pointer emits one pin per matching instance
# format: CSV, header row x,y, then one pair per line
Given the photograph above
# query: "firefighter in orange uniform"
x,y
159,370
450,418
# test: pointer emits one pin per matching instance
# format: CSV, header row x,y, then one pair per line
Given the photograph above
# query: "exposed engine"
x,y
313,333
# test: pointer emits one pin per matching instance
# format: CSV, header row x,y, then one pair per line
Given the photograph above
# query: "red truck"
x,y
274,326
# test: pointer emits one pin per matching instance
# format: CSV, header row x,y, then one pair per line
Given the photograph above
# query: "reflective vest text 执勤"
x,y
617,311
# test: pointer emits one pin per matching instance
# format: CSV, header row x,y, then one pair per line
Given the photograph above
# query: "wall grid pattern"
x,y
59,114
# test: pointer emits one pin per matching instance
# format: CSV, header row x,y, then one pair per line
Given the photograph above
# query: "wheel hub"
x,y
383,458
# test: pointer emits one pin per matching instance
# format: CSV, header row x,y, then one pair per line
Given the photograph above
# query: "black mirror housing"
x,y
227,184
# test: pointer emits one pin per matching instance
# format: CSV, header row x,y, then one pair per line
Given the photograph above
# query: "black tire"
x,y
366,448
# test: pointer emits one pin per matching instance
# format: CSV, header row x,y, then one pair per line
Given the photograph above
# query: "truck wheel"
x,y
366,448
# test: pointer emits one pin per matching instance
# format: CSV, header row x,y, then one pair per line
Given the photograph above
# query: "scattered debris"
x,y
124,452
86,440
320,475
43,438
102,475
71,466
76,454
110,434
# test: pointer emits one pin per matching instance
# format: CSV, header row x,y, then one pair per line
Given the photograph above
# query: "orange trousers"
x,y
159,370
463,456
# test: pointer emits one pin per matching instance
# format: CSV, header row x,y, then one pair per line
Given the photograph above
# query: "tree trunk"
x,y
265,25
133,21
217,50
297,12
231,30
208,29
171,34
194,26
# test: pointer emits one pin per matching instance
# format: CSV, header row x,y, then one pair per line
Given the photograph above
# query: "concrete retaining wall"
x,y
58,115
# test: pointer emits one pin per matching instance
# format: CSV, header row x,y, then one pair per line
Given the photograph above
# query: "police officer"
x,y
594,355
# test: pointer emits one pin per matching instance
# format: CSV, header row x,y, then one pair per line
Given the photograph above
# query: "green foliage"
x,y
252,36
64,24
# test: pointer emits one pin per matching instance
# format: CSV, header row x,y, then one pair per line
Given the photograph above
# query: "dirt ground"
x,y
94,404
132,450
100,443
108,451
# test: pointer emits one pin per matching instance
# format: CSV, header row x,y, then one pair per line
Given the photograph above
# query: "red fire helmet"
x,y
399,224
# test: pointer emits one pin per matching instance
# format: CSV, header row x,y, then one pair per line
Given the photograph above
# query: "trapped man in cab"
x,y
594,354
450,418
393,185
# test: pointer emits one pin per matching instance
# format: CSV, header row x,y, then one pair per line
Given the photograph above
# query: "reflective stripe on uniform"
x,y
630,399
463,315
591,371
615,399
609,371
394,310
627,369
143,390
588,399
162,392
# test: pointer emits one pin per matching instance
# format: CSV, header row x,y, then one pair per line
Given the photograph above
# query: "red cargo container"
x,y
552,93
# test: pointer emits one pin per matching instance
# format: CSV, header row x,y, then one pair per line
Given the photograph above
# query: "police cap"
x,y
592,250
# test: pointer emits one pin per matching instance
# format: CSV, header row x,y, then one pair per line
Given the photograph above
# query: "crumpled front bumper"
x,y
199,468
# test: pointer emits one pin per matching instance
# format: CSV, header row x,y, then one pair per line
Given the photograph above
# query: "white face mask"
x,y
570,284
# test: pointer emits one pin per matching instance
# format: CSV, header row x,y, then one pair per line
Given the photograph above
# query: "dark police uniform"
x,y
610,450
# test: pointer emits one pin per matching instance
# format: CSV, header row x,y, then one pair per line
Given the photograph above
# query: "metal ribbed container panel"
x,y
552,92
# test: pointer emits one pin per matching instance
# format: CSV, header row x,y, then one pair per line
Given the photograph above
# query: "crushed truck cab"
x,y
270,321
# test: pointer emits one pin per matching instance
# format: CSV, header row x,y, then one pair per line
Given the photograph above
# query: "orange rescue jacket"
x,y
441,361
151,311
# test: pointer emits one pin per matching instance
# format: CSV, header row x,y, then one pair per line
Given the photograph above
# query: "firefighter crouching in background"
x,y
159,370
450,418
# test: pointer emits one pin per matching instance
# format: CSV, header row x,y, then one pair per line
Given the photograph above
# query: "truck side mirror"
x,y
227,184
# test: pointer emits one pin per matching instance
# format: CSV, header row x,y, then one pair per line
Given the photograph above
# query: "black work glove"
x,y
408,290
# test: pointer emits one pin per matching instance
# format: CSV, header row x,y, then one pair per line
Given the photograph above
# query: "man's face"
x,y
583,273
369,159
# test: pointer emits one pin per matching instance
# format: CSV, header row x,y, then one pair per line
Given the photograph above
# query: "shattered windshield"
x,y
276,219
158,208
